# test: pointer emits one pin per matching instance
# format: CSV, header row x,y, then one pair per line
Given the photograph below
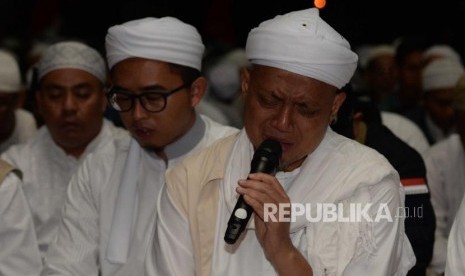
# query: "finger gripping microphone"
x,y
265,160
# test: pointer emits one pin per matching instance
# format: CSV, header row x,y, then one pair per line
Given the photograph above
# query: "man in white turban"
x,y
110,215
291,96
445,167
379,68
436,118
71,101
16,124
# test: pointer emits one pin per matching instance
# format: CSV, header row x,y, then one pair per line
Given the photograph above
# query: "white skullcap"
x,y
441,74
224,76
368,53
10,76
73,55
166,39
443,51
237,57
225,80
302,43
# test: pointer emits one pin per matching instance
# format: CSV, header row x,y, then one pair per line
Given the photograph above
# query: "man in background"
x,y
71,101
361,120
16,125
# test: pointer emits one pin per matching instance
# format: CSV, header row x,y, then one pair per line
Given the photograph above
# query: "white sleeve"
x,y
26,124
19,253
440,204
455,266
406,130
390,252
74,251
173,248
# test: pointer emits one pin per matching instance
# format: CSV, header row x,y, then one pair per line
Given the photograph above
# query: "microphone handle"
x,y
243,211
238,220
265,160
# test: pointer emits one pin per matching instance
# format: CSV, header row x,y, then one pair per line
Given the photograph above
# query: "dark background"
x,y
224,24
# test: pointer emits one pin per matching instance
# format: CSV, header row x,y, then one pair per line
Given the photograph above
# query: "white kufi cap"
x,y
10,76
166,39
442,51
302,43
441,74
74,55
369,53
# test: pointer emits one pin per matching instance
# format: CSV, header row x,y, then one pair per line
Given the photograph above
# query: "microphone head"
x,y
269,150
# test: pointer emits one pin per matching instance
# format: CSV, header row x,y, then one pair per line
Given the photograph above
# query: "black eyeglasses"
x,y
153,101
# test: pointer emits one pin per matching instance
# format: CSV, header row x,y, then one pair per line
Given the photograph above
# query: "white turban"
x,y
302,43
166,39
73,55
225,80
442,51
441,74
369,53
10,76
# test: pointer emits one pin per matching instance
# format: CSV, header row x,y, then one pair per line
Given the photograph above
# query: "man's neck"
x,y
183,143
75,152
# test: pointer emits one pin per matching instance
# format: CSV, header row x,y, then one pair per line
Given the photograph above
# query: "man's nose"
x,y
283,119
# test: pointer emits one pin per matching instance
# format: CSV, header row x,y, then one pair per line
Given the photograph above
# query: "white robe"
x,y
47,170
445,172
435,131
25,129
406,130
19,253
338,171
81,247
455,266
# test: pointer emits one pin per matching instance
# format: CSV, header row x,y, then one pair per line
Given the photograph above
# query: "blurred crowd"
x,y
411,85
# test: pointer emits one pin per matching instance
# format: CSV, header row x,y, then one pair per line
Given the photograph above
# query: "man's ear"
x,y
337,103
357,120
197,90
245,78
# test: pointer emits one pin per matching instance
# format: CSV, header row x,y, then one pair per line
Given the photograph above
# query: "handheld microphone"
x,y
265,160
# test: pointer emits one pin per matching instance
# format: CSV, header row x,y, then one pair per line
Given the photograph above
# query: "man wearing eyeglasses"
x,y
110,215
